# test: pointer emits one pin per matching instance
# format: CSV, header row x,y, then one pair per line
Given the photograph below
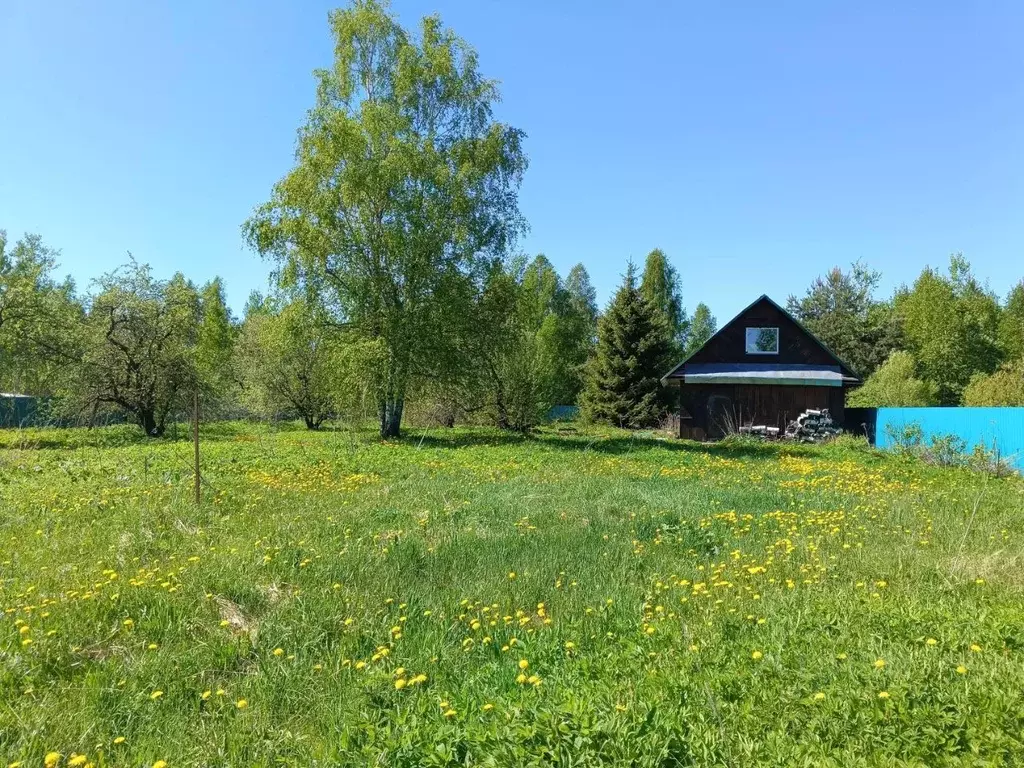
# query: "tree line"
x,y
397,286
946,339
520,339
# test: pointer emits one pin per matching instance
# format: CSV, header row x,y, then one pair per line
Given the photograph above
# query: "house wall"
x,y
795,346
714,408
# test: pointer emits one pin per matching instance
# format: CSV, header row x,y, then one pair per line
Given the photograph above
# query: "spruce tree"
x,y
623,380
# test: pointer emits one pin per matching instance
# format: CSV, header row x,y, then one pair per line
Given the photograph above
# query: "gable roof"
x,y
847,372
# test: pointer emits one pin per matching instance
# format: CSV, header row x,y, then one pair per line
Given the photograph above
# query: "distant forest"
x,y
513,340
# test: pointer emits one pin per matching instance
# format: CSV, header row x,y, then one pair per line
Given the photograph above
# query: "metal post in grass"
x,y
195,443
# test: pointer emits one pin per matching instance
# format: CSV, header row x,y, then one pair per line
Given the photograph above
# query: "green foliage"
x,y
840,309
1011,324
951,327
509,369
678,604
215,341
523,343
35,311
292,363
623,385
136,347
579,332
702,327
564,316
1003,387
894,384
661,285
403,182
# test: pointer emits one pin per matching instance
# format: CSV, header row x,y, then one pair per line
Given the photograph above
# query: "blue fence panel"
x,y
999,429
563,412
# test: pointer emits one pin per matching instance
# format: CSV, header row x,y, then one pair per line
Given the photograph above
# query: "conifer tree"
x,y
623,380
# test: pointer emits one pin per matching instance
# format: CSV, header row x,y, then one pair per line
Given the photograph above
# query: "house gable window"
x,y
762,341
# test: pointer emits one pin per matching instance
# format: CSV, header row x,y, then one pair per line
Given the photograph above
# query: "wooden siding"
x,y
795,344
712,410
716,409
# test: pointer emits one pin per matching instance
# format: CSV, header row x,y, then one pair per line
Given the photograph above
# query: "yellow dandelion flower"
x,y
205,695
400,683
51,759
756,655
883,694
279,652
523,664
119,740
77,760
160,764
241,703
931,641
819,696
975,648
450,713
156,695
520,678
879,663
487,707
961,670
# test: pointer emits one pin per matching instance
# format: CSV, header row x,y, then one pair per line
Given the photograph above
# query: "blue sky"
x,y
758,144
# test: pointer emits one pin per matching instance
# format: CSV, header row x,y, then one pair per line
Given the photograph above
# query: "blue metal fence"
x,y
996,429
563,412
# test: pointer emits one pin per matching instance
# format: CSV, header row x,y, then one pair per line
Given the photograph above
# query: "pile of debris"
x,y
759,430
812,426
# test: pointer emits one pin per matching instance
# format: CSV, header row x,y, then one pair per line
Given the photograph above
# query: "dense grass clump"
x,y
475,598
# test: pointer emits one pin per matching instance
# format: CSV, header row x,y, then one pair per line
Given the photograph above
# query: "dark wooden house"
x,y
762,368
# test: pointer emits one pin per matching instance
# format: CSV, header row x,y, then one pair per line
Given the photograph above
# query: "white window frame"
x,y
746,340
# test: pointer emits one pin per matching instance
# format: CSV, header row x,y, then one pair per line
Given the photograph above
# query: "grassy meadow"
x,y
467,597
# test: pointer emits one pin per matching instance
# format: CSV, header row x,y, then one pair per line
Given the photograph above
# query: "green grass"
x,y
677,604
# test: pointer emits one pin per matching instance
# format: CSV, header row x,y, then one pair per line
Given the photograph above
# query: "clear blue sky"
x,y
757,143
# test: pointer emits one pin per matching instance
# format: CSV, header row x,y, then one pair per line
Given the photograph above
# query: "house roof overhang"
x,y
760,373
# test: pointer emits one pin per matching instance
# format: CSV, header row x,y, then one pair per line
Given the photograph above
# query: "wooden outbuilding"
x,y
762,368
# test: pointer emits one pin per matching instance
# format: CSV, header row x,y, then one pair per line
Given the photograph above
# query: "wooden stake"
x,y
195,443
